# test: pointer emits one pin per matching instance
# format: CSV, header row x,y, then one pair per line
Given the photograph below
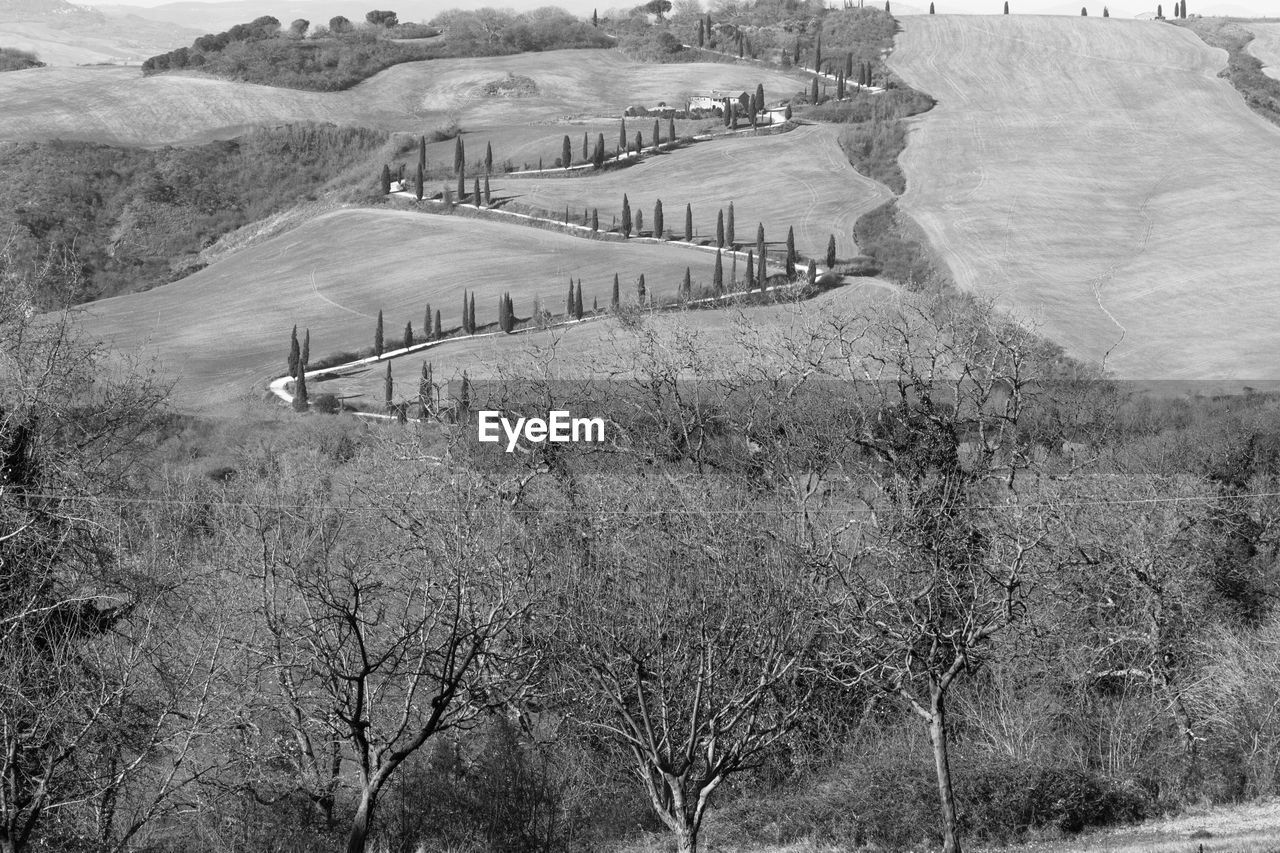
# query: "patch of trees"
x,y
134,218
12,59
494,32
1244,70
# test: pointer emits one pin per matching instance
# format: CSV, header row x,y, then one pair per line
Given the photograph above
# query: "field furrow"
x,y
1099,178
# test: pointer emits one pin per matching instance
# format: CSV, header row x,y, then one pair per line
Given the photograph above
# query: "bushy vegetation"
x,y
495,32
1244,70
136,218
898,255
12,59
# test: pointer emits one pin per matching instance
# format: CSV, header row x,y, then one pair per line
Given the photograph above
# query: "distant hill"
x,y
215,17
62,33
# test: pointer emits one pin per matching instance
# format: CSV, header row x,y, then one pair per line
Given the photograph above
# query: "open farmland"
x,y
1266,46
119,105
800,179
1099,177
726,340
225,330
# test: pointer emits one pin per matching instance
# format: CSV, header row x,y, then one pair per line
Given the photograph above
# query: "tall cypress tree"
x,y
475,192
751,269
686,286
566,152
436,331
641,295
615,298
377,336
595,19
462,187
304,357
577,302
418,183
568,303
702,33
586,151
671,132
459,155
728,226
595,219
626,216
1084,13
657,219
791,252
300,401
426,323
388,386
813,91
426,390
1006,7
466,316
294,352
813,272
639,144
488,196
717,274
759,97
657,136
471,313
831,251
688,222
408,335
930,8
622,137
719,229
422,154
1106,13
488,158
384,180
761,269
597,159
817,51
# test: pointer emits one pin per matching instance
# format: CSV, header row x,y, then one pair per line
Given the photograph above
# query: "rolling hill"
x,y
1099,178
800,179
224,331
62,33
1266,46
120,106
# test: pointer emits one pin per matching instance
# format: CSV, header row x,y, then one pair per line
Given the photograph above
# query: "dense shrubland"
x,y
759,613
136,218
1244,70
342,55
12,59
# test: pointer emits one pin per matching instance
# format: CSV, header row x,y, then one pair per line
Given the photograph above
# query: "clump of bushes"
x,y
12,59
882,237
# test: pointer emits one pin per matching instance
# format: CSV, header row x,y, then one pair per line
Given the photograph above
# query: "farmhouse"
x,y
716,99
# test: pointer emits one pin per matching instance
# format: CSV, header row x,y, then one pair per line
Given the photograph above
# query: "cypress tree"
x,y
387,387
639,144
813,272
448,196
671,132
595,219
426,323
795,53
304,357
626,216
791,250
760,260
615,298
408,335
425,387
436,331
459,155
717,274
462,188
595,305
686,286
930,8
831,251
702,34
472,313
848,65
502,313
488,197
759,97
595,19
657,136
300,401
886,8
422,153
377,336
657,219
384,180
539,164
1006,7
728,227
577,302
466,317
640,292
418,183
566,152
813,91
293,352
1084,13
488,158
586,152
1159,12
475,192
569,302
1106,13
719,229
622,136
817,51
688,222
751,269
597,159
787,113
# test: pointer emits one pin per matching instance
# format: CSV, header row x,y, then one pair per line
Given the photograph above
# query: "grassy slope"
x,y
225,330
1266,46
1090,172
119,105
800,179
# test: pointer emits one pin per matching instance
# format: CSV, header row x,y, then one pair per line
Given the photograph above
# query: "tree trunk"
x,y
361,822
946,797
686,840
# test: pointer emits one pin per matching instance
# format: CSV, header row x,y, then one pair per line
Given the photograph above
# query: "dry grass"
x,y
1266,46
224,332
1098,176
800,179
119,105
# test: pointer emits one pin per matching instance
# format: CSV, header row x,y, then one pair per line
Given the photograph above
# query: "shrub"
x,y
327,404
